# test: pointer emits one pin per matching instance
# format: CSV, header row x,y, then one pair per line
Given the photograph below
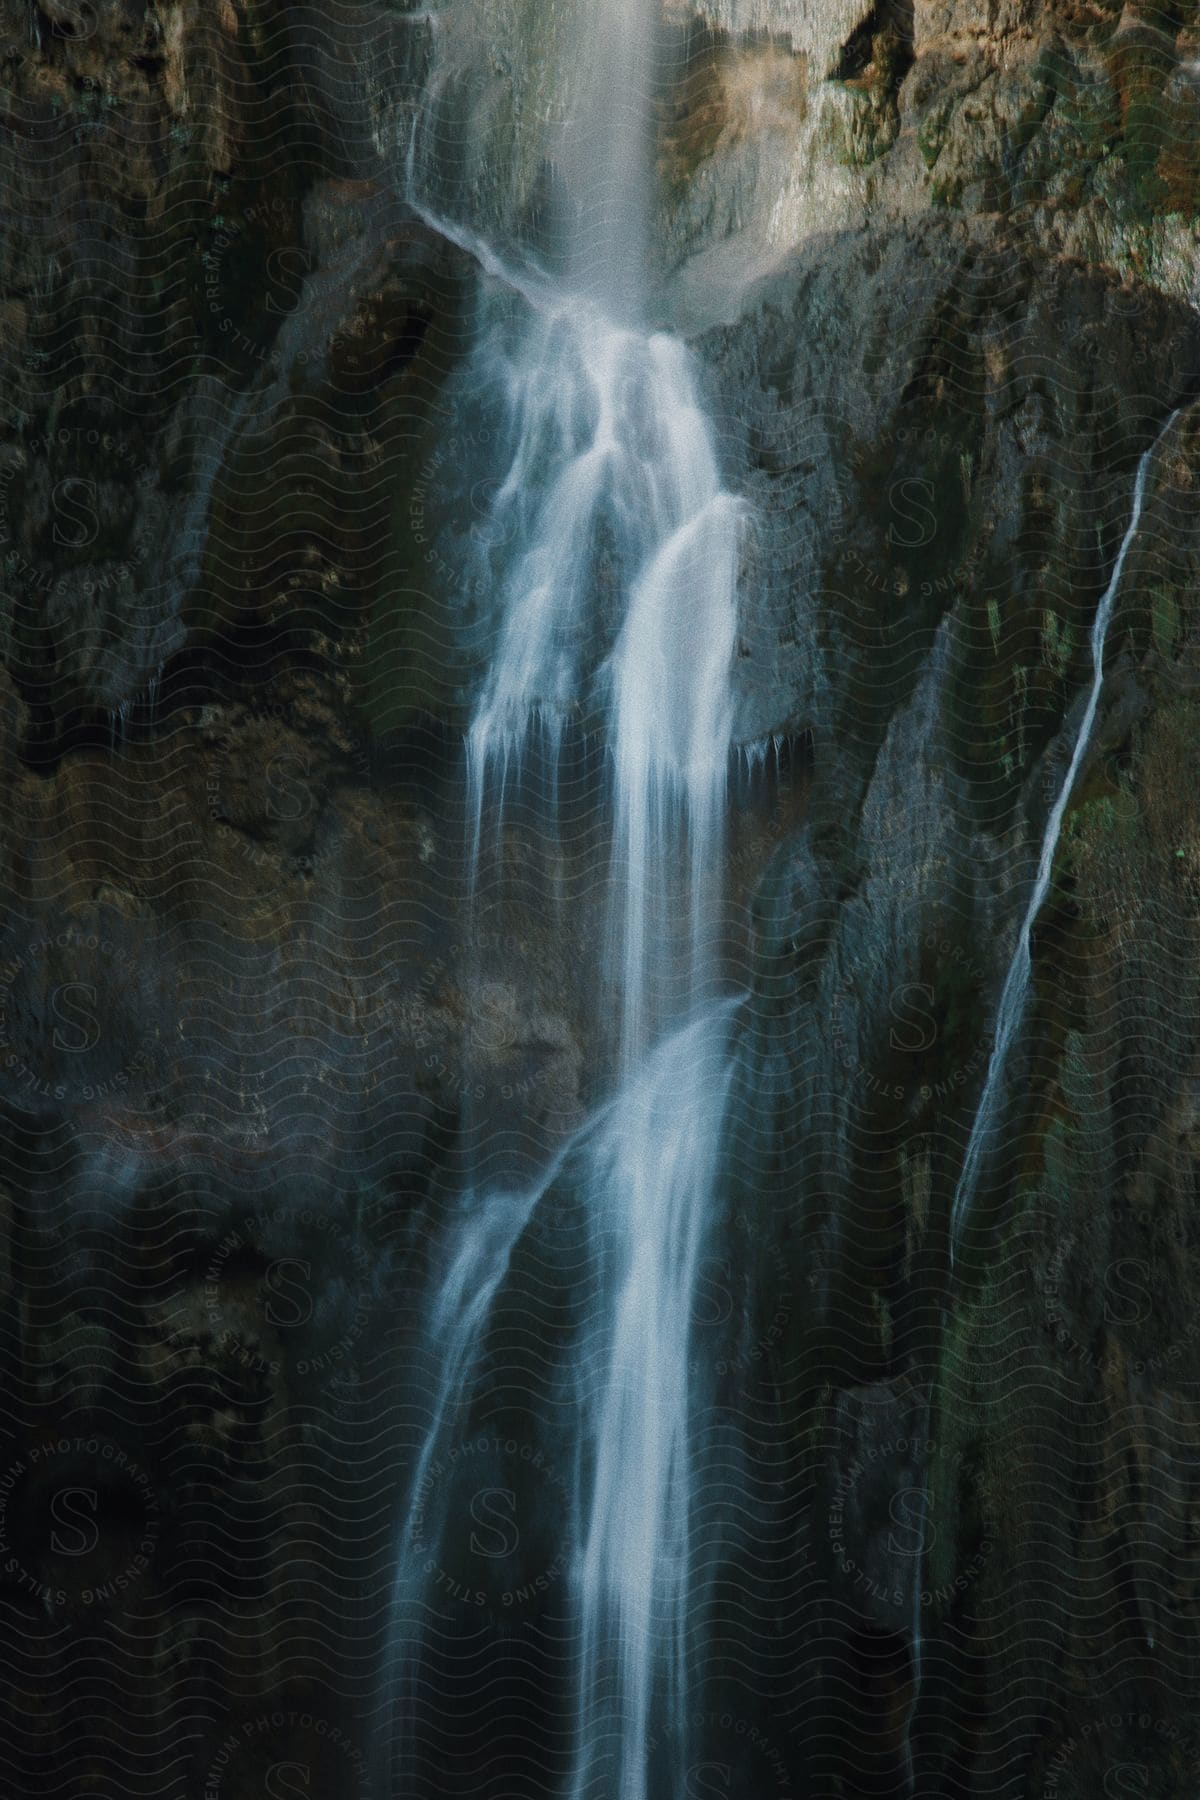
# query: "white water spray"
x,y
653,1167
479,1261
611,438
613,456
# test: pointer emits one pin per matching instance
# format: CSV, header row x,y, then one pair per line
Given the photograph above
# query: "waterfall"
x,y
611,458
605,151
1014,993
651,1178
609,429
480,1255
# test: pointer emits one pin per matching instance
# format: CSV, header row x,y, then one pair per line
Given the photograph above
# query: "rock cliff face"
x,y
938,262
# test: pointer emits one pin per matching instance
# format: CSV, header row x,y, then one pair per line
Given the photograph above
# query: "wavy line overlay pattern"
x,y
600,875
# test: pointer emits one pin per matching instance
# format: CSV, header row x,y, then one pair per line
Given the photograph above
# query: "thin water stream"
x,y
1013,996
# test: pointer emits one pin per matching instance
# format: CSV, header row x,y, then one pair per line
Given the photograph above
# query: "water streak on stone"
x,y
1015,992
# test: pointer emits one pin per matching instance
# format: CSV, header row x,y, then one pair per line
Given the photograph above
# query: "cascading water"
x,y
1014,993
478,1263
650,1184
1011,1006
609,434
611,447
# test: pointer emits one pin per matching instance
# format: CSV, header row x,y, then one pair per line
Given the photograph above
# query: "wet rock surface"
x,y
937,266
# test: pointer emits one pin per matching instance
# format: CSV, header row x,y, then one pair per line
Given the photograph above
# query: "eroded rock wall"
x,y
938,264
